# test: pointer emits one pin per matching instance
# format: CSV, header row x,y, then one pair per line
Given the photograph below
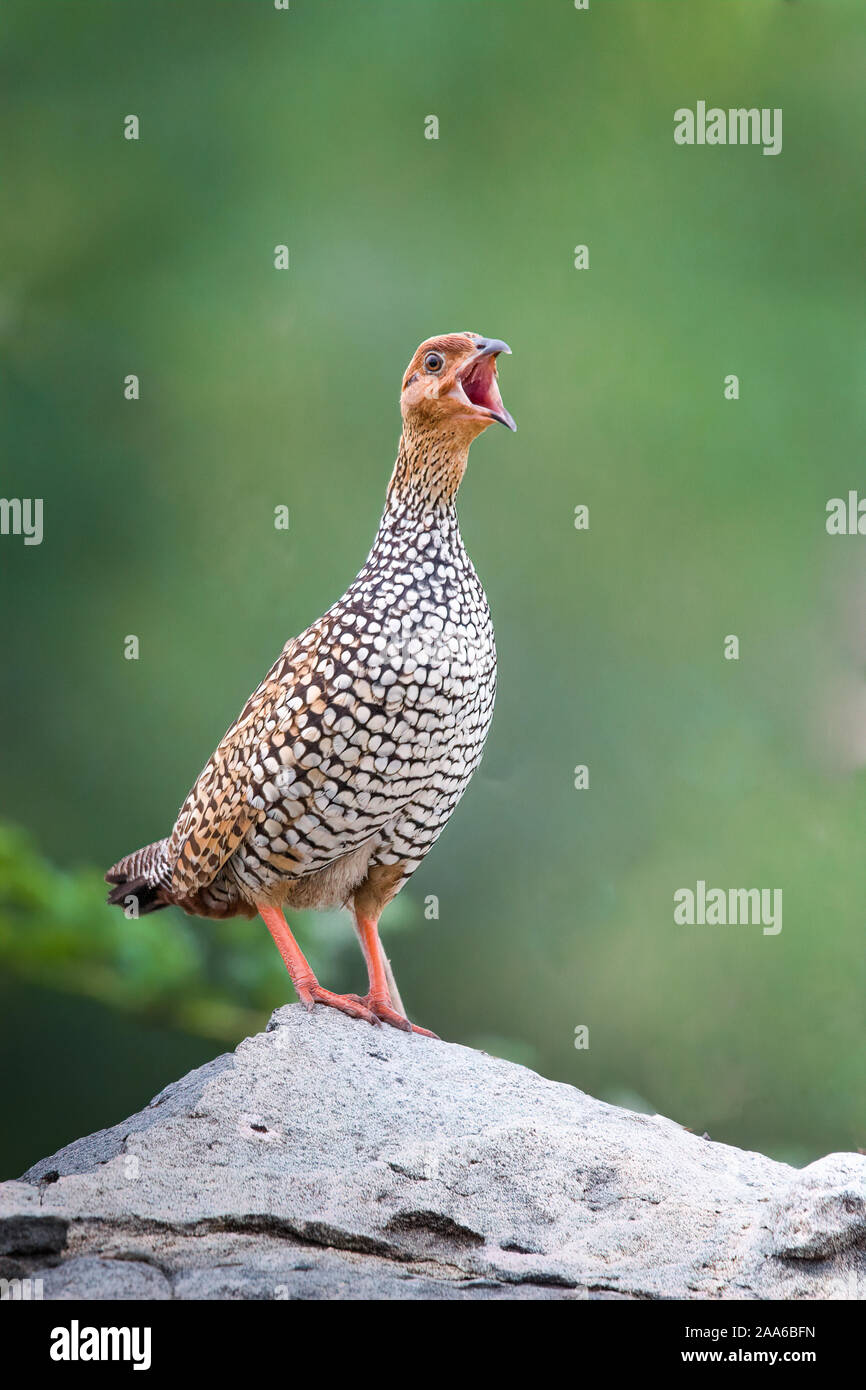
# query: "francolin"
x,y
348,760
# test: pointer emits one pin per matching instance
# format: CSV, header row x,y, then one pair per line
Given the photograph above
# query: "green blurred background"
x,y
261,388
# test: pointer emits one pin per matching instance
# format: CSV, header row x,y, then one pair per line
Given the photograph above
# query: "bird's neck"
x,y
426,477
420,516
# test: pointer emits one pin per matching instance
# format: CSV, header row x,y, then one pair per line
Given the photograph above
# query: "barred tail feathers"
x,y
145,875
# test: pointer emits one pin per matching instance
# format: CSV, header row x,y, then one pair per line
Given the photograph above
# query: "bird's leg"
x,y
379,999
393,990
309,990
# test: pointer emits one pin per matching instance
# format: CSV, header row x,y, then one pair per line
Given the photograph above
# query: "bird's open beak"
x,y
477,383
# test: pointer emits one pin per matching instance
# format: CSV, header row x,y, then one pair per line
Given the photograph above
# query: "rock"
x,y
324,1160
823,1210
90,1276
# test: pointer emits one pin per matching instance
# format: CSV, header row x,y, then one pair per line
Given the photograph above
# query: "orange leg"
x,y
379,1000
309,990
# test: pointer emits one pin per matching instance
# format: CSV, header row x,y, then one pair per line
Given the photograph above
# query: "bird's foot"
x,y
313,993
384,1011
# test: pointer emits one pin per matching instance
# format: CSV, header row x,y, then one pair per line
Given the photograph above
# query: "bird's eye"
x,y
434,362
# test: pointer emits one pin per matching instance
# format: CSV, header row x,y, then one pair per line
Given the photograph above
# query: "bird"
x,y
347,761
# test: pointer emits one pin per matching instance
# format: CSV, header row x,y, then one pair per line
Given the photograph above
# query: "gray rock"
x,y
823,1211
324,1160
91,1277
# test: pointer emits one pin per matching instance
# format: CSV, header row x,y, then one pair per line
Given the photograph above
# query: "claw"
x,y
350,1004
387,1014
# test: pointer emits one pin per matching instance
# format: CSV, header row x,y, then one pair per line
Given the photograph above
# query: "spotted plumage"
x,y
347,761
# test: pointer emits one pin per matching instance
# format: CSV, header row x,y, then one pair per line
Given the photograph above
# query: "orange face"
x,y
450,384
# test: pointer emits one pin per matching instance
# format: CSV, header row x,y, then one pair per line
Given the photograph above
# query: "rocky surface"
x,y
326,1160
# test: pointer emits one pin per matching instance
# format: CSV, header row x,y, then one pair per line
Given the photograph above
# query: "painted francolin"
x,y
346,763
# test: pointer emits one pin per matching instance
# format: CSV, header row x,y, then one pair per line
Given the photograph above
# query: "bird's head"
x,y
450,387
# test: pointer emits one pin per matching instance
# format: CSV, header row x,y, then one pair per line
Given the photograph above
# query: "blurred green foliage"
x,y
258,389
57,930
